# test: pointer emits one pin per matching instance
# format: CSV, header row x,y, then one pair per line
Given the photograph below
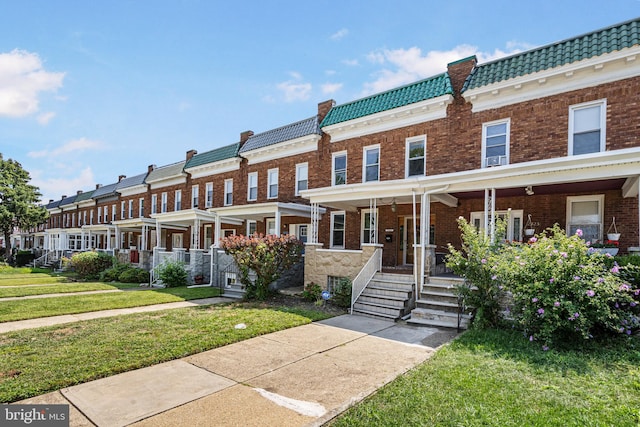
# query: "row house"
x,y
541,137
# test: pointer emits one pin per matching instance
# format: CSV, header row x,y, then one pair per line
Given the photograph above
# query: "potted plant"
x,y
608,247
528,227
198,279
612,233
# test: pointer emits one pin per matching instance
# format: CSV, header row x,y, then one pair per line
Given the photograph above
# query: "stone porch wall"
x,y
320,263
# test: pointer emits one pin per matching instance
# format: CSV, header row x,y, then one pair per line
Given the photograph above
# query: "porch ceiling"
x,y
260,211
572,187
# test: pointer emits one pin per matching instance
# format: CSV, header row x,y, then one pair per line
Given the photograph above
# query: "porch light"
x,y
529,190
394,207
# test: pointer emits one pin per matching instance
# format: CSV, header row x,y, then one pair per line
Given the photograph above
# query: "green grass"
x,y
44,307
496,378
36,361
24,291
30,279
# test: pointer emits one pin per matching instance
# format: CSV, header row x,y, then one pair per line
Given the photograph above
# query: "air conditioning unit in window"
x,y
495,161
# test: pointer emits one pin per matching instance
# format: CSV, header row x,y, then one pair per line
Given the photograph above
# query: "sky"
x,y
90,90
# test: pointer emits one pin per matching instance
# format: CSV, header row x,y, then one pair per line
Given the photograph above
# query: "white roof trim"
x,y
133,190
166,182
264,210
591,72
221,166
283,149
419,112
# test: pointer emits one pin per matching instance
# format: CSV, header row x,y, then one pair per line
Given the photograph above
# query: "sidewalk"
x,y
302,376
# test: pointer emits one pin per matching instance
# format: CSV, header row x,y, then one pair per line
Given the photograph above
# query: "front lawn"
x,y
37,361
43,307
62,288
498,378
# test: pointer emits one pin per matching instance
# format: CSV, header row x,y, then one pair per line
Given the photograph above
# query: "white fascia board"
x,y
186,215
419,112
175,180
292,147
86,203
135,222
54,211
132,191
210,169
591,72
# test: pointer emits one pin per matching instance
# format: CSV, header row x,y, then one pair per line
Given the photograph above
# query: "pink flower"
x,y
533,240
541,311
579,232
590,293
534,299
484,261
556,304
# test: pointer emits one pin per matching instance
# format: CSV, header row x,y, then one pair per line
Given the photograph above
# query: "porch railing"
x,y
160,258
372,266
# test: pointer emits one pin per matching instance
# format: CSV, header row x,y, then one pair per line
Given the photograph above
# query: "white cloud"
x,y
54,188
45,118
22,78
350,62
329,88
340,34
295,89
330,72
75,146
408,65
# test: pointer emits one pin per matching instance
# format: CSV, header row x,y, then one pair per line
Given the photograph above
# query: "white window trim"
x,y
270,182
363,213
513,213
408,142
299,166
589,198
163,203
208,202
270,223
141,207
177,203
249,223
113,212
154,203
364,161
130,208
228,189
122,210
507,142
195,196
249,187
344,230
333,167
603,122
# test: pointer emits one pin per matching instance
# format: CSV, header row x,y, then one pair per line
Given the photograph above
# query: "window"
x,y
271,226
177,205
252,186
587,128
585,213
514,224
302,177
106,214
131,208
122,210
208,236
163,207
228,192
141,208
113,213
251,227
339,166
415,156
194,196
91,217
371,166
154,204
84,217
209,201
337,229
368,226
272,184
495,143
73,219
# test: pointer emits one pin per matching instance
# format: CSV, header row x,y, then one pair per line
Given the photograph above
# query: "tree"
x,y
19,200
267,256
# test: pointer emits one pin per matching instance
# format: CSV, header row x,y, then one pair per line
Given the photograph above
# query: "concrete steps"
x,y
388,296
235,291
437,305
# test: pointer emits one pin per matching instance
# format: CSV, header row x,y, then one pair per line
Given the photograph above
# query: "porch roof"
x,y
260,211
134,223
619,164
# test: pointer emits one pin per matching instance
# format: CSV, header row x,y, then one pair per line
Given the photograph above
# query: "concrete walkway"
x,y
302,376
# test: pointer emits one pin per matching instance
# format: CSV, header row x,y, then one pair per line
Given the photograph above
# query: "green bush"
x,y
134,275
89,265
342,293
312,292
173,273
24,257
113,274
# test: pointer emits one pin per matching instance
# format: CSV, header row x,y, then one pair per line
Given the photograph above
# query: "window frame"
x,y
130,208
114,209
587,198
228,192
334,156
195,196
141,207
122,210
602,103
407,164
366,165
507,141
154,204
300,167
252,186
271,173
209,195
367,231
251,223
177,202
270,222
334,214
163,202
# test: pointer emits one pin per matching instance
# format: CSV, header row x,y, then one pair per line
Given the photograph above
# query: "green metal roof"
x,y
222,153
432,87
599,42
86,195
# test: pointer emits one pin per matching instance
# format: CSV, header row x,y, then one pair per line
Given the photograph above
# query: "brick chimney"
x,y
79,192
150,168
324,107
190,154
244,136
98,186
64,197
121,177
459,71
50,200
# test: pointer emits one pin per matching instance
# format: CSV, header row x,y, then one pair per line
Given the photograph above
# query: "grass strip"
x,y
44,307
496,378
25,291
37,361
30,279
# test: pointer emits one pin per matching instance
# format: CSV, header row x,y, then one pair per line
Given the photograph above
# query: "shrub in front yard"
x,y
125,273
89,265
342,293
173,273
311,292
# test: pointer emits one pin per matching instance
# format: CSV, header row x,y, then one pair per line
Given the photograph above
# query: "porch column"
x,y
143,240
108,237
158,233
425,228
373,221
415,239
278,221
313,235
638,211
217,232
490,213
118,243
195,234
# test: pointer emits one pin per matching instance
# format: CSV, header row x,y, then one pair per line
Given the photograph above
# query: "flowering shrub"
x,y
268,256
476,262
563,290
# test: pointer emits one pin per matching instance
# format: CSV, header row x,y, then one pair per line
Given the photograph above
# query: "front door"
x,y
406,242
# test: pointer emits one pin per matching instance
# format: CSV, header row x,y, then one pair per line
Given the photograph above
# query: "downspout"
x,y
415,235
